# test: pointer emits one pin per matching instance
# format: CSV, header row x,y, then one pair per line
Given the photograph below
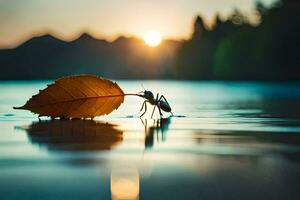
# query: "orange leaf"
x,y
82,96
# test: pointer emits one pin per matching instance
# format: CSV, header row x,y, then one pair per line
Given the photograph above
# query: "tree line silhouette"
x,y
237,50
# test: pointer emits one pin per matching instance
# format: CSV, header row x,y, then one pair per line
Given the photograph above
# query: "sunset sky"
x,y
66,19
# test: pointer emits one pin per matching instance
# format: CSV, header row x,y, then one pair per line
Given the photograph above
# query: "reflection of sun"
x,y
152,38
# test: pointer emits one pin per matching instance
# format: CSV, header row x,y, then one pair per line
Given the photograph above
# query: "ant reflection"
x,y
74,135
158,130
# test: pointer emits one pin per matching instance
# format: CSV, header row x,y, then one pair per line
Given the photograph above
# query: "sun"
x,y
152,38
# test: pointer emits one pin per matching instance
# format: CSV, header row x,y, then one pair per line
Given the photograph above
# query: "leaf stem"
x,y
132,94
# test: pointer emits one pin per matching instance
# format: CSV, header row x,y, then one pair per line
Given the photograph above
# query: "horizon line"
x,y
80,34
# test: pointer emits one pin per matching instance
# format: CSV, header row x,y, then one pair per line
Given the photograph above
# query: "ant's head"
x,y
147,95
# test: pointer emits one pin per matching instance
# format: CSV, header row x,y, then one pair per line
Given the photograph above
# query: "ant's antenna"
x,y
143,86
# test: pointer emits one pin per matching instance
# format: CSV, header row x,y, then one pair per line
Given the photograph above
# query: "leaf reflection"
x,y
74,135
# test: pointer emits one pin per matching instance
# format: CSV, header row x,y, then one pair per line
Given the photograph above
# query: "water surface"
x,y
227,140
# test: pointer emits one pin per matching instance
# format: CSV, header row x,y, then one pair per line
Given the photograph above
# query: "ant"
x,y
161,102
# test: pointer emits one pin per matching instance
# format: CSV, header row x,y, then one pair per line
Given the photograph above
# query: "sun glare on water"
x,y
152,38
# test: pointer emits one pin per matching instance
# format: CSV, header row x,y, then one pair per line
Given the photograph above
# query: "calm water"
x,y
226,141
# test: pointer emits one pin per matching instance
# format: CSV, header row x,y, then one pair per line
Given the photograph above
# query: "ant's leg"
x,y
144,124
145,108
142,121
153,111
154,105
159,111
142,106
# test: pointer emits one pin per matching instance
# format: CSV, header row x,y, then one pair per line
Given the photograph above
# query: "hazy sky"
x,y
66,19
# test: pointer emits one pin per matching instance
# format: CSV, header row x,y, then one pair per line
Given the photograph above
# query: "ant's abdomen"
x,y
164,106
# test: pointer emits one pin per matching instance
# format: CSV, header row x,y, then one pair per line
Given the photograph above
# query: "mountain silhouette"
x,y
47,57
